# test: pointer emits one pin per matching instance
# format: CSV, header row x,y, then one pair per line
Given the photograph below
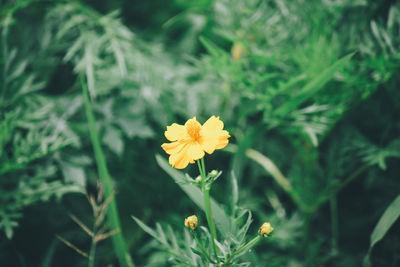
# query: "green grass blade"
x,y
390,215
388,218
112,213
211,47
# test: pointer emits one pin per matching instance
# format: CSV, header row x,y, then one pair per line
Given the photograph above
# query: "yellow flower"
x,y
238,51
190,141
191,222
266,229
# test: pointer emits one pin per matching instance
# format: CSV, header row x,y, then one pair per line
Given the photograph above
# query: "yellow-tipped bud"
x,y
238,51
266,229
191,222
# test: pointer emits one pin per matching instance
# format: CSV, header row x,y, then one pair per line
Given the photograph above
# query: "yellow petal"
x,y
195,151
172,148
180,160
223,139
175,132
208,143
222,143
212,136
211,125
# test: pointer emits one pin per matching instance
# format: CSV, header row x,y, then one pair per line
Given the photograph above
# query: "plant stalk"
x,y
207,205
334,222
105,178
4,52
92,252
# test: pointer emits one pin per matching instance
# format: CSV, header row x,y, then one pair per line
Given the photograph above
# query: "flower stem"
x,y
249,245
207,204
204,168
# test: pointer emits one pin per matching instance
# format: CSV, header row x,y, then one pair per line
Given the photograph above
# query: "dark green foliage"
x,y
310,87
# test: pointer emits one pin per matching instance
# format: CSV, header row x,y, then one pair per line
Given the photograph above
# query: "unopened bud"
x,y
198,180
238,51
266,229
213,173
191,222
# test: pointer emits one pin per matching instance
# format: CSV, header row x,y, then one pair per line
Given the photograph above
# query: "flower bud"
x,y
266,229
198,180
213,173
238,51
191,222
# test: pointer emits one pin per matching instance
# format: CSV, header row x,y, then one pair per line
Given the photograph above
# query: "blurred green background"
x,y
313,86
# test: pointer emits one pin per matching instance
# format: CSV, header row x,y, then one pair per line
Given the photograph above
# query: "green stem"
x,y
207,205
335,190
334,222
105,178
249,245
204,168
304,245
92,252
201,171
351,177
4,59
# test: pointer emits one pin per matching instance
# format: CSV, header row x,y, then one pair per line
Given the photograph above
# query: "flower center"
x,y
193,129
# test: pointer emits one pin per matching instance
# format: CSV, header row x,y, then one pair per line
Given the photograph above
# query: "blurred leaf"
x,y
113,139
313,86
388,218
211,47
148,230
390,215
73,173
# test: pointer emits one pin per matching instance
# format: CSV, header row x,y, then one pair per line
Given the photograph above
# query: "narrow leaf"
x,y
210,47
388,218
147,229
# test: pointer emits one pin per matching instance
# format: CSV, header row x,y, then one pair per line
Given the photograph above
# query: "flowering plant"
x,y
203,246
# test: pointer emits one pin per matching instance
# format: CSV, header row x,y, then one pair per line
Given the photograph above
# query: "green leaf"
x,y
148,230
235,191
313,86
113,139
198,252
210,47
73,173
388,218
221,218
391,214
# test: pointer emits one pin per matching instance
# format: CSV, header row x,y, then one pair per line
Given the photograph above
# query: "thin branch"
x,y
69,244
82,225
